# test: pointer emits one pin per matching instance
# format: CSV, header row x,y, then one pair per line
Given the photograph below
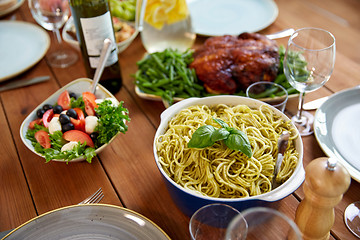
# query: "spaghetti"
x,y
218,171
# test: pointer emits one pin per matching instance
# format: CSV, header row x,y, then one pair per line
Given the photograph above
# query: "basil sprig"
x,y
206,136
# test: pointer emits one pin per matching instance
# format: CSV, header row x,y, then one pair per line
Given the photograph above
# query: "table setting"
x,y
186,133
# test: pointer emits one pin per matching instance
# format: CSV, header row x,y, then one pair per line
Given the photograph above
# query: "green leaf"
x,y
202,137
238,141
221,123
220,134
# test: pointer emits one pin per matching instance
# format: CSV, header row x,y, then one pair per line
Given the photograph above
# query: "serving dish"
x,y
218,17
189,201
92,221
153,97
336,128
32,45
75,44
77,86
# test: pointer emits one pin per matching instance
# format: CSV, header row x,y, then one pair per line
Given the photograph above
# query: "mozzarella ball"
x,y
69,146
90,124
54,125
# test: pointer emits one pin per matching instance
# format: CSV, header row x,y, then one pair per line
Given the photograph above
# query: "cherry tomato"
x,y
79,123
37,121
64,100
90,104
48,115
43,138
78,136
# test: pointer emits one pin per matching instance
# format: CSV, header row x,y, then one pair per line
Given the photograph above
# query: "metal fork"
x,y
95,198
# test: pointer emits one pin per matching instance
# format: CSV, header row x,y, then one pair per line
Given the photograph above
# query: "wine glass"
x,y
308,64
51,15
352,218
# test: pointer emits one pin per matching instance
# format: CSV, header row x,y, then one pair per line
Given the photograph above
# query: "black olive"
x,y
58,109
40,112
64,119
94,136
72,95
47,107
72,113
67,127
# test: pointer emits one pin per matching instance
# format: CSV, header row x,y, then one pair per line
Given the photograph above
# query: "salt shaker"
x,y
326,180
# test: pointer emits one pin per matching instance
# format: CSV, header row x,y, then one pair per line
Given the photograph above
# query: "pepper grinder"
x,y
326,180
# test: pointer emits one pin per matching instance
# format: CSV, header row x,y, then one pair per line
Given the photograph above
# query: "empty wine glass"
x,y
352,218
51,15
308,64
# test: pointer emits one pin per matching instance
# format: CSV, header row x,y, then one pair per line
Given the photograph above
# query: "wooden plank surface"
x,y
126,170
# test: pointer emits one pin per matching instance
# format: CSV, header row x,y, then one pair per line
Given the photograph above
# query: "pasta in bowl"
x,y
198,176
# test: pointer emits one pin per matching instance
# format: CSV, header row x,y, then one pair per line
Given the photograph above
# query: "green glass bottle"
x,y
93,23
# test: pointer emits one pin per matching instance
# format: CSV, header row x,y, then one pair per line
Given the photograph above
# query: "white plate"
x,y
232,17
337,129
93,221
11,8
22,45
77,86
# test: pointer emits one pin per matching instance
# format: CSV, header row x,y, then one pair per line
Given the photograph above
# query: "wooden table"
x,y
126,170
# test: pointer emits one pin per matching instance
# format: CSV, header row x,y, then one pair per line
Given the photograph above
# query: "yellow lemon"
x,y
159,12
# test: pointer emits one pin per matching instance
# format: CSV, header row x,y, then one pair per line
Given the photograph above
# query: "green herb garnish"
x,y
206,136
111,121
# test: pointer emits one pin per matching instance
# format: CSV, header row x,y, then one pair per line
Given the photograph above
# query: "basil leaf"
x,y
202,137
220,134
239,141
221,123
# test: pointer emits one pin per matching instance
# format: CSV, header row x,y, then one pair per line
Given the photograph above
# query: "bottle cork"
x,y
326,180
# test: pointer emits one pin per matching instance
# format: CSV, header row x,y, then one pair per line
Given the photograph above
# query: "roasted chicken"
x,y
228,64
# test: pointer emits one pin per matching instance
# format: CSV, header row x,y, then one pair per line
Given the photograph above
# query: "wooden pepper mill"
x,y
326,181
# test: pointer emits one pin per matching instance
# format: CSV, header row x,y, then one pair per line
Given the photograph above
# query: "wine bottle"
x,y
93,23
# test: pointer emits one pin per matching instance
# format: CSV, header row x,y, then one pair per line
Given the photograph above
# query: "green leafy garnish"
x,y
77,103
206,136
111,121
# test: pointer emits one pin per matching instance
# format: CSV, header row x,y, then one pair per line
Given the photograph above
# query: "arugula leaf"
x,y
77,103
206,136
111,121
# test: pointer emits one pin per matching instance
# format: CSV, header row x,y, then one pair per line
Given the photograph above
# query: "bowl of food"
x,y
125,33
222,149
74,124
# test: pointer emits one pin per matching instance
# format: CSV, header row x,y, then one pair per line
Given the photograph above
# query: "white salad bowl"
x,y
189,201
77,86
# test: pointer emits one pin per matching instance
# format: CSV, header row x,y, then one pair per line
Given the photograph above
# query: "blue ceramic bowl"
x,y
190,201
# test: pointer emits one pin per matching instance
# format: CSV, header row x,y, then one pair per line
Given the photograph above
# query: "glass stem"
x,y
300,107
57,36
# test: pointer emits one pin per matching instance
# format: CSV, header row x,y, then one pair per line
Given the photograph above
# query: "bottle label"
x,y
96,30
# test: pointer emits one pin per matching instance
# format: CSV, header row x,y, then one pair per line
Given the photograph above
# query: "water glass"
x,y
269,92
262,223
210,222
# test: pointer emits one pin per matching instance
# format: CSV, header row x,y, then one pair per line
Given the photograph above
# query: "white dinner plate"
x,y
11,8
232,17
92,221
22,45
337,129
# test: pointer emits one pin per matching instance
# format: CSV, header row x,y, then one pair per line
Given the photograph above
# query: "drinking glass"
x,y
261,223
166,24
51,15
308,64
210,222
352,218
269,92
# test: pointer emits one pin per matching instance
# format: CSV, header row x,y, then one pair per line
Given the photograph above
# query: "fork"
x,y
95,198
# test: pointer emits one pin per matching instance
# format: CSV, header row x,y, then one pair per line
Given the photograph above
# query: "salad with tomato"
x,y
76,126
